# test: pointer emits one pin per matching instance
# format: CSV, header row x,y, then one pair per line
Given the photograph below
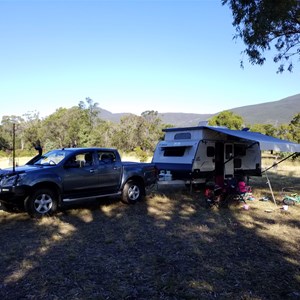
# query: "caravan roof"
x,y
266,142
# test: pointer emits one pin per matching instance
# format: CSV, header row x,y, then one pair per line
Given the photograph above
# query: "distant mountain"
x,y
275,113
108,116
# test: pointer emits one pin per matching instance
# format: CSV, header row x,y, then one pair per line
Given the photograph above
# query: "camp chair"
x,y
244,191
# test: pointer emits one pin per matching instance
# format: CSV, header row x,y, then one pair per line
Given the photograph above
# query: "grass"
x,y
169,246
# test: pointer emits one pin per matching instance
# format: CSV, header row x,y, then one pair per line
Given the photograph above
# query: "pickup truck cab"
x,y
69,175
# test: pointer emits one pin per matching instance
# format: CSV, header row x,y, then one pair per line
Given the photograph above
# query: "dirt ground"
x,y
169,246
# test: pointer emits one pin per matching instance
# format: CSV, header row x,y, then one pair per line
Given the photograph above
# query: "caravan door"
x,y
228,160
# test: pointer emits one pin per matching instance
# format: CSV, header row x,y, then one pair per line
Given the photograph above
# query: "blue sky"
x,y
128,56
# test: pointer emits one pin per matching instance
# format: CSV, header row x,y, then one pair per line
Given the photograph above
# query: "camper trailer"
x,y
213,153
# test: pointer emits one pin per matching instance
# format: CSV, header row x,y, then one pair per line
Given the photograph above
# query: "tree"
x,y
127,135
266,24
228,119
55,128
267,129
7,131
103,134
295,128
31,127
92,110
67,128
152,130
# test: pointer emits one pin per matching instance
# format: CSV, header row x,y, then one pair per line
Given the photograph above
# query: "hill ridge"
x,y
274,113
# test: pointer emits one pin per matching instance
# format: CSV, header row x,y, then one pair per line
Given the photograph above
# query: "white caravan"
x,y
208,153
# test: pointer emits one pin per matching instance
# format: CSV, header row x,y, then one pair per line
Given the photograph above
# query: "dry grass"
x,y
169,246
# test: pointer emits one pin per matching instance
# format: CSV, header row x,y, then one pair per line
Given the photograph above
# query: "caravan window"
x,y
210,151
183,136
174,151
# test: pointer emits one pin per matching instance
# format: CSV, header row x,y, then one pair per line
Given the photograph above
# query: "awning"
x,y
266,142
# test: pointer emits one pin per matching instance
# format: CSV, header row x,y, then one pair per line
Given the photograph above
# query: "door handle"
x,y
92,171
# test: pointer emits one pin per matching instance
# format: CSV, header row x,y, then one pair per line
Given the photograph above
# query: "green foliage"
x,y
7,132
26,152
90,110
3,143
267,24
266,129
3,154
295,128
138,131
141,154
289,131
82,126
49,145
228,119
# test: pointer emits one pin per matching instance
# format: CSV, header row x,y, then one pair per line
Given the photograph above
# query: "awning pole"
x,y
270,187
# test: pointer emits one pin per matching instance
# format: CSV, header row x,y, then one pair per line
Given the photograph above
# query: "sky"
x,y
129,56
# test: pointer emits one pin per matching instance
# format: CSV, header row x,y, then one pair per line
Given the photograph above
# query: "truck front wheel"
x,y
132,192
41,202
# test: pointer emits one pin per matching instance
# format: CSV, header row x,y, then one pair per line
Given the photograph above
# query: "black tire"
x,y
288,201
42,202
132,192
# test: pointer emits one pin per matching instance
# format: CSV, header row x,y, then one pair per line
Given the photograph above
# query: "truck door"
x,y
110,172
80,174
228,160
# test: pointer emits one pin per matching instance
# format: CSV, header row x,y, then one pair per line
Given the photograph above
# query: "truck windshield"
x,y
51,158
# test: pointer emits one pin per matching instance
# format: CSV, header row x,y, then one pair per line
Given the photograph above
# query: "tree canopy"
x,y
82,126
227,118
267,24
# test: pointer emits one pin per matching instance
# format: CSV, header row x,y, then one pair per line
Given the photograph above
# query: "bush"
x,y
141,154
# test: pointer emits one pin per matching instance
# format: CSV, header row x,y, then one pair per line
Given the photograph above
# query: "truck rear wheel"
x,y
132,192
42,202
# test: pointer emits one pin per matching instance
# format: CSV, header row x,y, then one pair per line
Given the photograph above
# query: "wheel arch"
x,y
137,179
47,185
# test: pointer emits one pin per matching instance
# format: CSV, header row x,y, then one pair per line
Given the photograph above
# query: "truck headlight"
x,y
12,180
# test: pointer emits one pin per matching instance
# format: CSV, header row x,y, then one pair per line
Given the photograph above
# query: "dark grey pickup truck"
x,y
70,175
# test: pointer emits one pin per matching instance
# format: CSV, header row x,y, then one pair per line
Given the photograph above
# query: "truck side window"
x,y
106,157
72,163
88,159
